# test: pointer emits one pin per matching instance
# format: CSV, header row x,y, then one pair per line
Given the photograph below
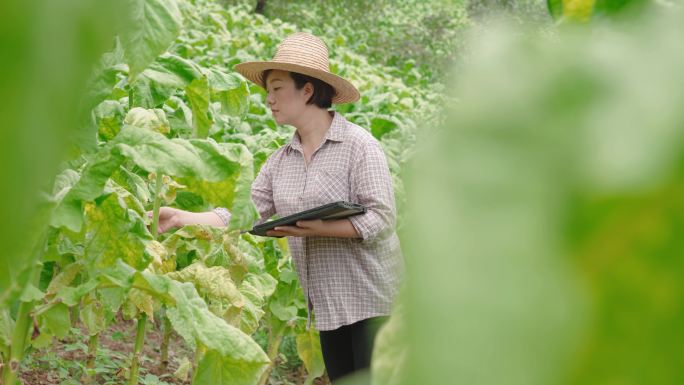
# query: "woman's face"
x,y
284,99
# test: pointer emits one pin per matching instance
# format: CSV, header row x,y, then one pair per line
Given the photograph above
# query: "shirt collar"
x,y
335,133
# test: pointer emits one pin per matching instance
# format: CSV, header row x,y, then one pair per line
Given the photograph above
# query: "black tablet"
x,y
335,210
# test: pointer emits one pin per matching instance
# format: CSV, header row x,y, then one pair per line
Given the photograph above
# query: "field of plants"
x,y
110,300
149,113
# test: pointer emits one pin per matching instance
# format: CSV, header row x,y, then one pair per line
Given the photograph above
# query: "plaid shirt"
x,y
344,280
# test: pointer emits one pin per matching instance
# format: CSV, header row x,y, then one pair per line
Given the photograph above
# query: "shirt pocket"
x,y
331,186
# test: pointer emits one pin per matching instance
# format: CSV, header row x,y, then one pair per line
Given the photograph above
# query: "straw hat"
x,y
306,54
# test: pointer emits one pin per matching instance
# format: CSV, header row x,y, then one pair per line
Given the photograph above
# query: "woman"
x,y
349,268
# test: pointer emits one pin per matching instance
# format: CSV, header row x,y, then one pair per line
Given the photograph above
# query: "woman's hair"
x,y
322,94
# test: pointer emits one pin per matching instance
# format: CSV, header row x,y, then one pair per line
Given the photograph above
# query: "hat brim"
x,y
345,92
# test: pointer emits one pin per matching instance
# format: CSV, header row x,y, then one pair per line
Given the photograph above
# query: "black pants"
x,y
348,349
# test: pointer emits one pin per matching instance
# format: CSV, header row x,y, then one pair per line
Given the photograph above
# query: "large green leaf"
x,y
241,357
255,289
198,93
202,159
309,350
71,193
198,163
155,25
93,317
214,282
230,90
152,119
108,117
56,319
242,360
214,368
115,232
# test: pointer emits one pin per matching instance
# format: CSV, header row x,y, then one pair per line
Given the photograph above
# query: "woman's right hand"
x,y
170,217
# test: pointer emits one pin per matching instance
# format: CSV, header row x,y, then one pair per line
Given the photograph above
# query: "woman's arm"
x,y
170,217
340,228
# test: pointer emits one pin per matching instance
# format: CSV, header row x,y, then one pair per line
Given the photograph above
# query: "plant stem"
x,y
199,352
142,318
21,328
92,354
22,325
139,338
165,342
274,340
155,209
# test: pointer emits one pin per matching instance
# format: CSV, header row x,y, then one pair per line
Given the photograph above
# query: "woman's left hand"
x,y
303,229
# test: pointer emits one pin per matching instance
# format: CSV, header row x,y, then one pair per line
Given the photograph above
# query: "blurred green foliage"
x,y
48,52
547,219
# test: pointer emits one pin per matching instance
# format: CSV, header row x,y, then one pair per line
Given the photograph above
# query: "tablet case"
x,y
335,210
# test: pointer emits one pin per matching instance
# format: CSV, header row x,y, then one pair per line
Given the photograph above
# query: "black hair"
x,y
322,94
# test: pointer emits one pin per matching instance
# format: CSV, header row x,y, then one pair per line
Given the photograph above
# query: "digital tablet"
x,y
335,210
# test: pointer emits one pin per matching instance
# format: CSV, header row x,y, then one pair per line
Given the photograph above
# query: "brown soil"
x,y
38,374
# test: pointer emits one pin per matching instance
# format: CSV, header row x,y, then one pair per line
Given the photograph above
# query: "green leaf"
x,y
555,8
148,93
112,298
255,289
71,296
153,119
64,278
115,232
214,282
198,94
105,76
183,369
242,358
381,125
222,370
309,350
133,183
155,25
31,293
282,304
93,317
230,90
90,185
139,302
56,319
153,152
6,327
182,71
108,116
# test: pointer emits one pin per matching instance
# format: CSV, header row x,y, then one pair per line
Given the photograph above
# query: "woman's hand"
x,y
339,228
170,217
303,229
